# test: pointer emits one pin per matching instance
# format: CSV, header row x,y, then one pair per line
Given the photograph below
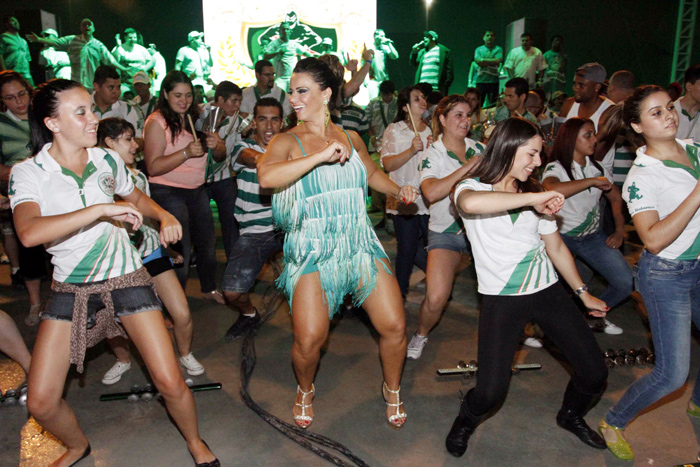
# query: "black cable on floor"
x,y
306,439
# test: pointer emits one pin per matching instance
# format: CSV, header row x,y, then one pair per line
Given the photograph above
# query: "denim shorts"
x,y
128,301
249,254
448,241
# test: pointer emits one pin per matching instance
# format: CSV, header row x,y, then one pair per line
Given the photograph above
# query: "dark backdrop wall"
x,y
637,35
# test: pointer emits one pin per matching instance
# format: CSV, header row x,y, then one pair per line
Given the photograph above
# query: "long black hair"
x,y
565,145
172,119
45,104
403,100
497,159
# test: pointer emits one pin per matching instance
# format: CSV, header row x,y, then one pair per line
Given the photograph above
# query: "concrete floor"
x,y
349,406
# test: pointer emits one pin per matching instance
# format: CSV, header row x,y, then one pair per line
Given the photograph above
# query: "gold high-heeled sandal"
x,y
397,420
304,421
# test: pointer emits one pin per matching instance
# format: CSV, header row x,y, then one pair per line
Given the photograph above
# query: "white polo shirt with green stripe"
x,y
121,109
509,253
253,208
688,127
580,215
661,186
98,251
438,162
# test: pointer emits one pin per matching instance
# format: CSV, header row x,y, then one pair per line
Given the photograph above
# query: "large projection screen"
x,y
236,29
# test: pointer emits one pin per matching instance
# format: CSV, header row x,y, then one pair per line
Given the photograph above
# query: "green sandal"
x,y
619,447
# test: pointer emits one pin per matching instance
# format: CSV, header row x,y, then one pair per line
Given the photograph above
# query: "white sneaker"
x,y
191,364
415,347
610,328
533,342
115,373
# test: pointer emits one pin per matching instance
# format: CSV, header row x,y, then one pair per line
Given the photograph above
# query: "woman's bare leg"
x,y
175,300
47,377
439,277
386,311
148,333
310,323
11,342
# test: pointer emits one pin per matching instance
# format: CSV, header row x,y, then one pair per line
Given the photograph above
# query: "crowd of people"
x,y
116,190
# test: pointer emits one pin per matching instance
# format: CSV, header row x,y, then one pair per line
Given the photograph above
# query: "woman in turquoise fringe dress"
x,y
321,174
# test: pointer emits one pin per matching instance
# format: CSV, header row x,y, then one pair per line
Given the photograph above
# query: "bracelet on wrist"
x,y
184,151
581,290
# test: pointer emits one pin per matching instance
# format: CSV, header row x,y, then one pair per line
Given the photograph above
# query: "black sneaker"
x,y
17,280
241,326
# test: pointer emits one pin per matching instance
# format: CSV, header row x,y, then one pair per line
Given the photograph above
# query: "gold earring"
x,y
328,115
325,101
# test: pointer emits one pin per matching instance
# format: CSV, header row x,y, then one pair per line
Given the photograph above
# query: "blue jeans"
x,y
671,293
608,262
411,239
224,193
191,208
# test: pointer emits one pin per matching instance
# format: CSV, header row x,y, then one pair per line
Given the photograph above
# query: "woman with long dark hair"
x,y
28,264
663,196
330,248
64,197
444,163
402,149
176,162
574,173
516,248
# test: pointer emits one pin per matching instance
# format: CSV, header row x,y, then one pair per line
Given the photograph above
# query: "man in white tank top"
x,y
587,101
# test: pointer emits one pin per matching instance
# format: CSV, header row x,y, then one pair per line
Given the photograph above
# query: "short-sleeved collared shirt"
x,y
487,74
15,52
98,251
526,64
509,253
655,185
253,209
580,215
438,162
121,109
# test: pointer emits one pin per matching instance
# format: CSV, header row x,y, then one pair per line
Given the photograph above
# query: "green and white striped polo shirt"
x,y
253,209
15,145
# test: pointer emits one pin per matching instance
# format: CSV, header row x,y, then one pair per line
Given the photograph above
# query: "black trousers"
x,y
501,323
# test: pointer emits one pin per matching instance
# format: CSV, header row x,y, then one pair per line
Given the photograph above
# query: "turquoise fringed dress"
x,y
328,230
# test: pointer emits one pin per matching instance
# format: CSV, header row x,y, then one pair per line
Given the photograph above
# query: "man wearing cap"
x,y
14,51
105,99
587,101
144,102
57,63
488,59
526,62
326,47
383,49
133,56
264,87
84,51
195,60
434,62
284,53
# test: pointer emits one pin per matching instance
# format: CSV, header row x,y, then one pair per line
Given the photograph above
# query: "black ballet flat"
x,y
214,463
86,453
